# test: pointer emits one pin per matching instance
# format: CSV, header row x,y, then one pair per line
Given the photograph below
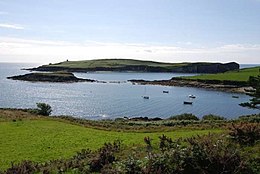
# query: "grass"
x,y
45,139
237,75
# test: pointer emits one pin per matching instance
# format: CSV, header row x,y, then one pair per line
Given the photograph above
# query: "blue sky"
x,y
160,30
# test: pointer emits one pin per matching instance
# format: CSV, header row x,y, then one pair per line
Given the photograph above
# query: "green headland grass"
x,y
113,63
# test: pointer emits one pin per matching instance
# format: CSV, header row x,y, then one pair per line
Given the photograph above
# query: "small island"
x,y
60,76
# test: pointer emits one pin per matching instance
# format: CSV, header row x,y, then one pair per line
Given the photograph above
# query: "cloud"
x,y
46,51
11,26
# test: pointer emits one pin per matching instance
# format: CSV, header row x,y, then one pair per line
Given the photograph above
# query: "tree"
x,y
43,109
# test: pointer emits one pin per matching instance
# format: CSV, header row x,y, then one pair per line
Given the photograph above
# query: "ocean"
x,y
116,97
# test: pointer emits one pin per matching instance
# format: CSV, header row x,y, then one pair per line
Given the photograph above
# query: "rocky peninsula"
x,y
227,86
232,81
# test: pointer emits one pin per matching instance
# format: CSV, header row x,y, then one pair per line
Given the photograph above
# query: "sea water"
x,y
116,97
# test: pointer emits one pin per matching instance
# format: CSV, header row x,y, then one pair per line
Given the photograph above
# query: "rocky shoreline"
x,y
226,87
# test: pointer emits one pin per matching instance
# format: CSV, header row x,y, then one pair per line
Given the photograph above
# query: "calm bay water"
x,y
111,100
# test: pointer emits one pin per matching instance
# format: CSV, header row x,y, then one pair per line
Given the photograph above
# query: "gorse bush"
x,y
43,109
105,156
208,154
245,133
165,143
23,167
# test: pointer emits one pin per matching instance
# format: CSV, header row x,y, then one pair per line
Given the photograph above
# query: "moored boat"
x,y
145,97
192,96
187,103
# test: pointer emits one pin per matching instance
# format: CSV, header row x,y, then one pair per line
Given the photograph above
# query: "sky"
x,y
49,31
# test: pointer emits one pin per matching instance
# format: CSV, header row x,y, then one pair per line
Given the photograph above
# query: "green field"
x,y
42,139
237,75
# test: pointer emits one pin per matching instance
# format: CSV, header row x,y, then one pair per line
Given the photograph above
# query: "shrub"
x,y
213,154
185,116
165,143
23,167
255,164
213,117
105,156
43,109
245,133
202,154
133,165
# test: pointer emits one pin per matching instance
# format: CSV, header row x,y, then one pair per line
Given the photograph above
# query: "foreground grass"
x,y
237,75
45,139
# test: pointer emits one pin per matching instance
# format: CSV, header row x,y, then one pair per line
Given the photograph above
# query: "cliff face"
x,y
189,68
207,68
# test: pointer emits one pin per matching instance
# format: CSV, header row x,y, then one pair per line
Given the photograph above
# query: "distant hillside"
x,y
137,66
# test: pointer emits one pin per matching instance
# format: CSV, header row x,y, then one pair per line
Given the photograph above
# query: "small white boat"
x,y
145,96
192,96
